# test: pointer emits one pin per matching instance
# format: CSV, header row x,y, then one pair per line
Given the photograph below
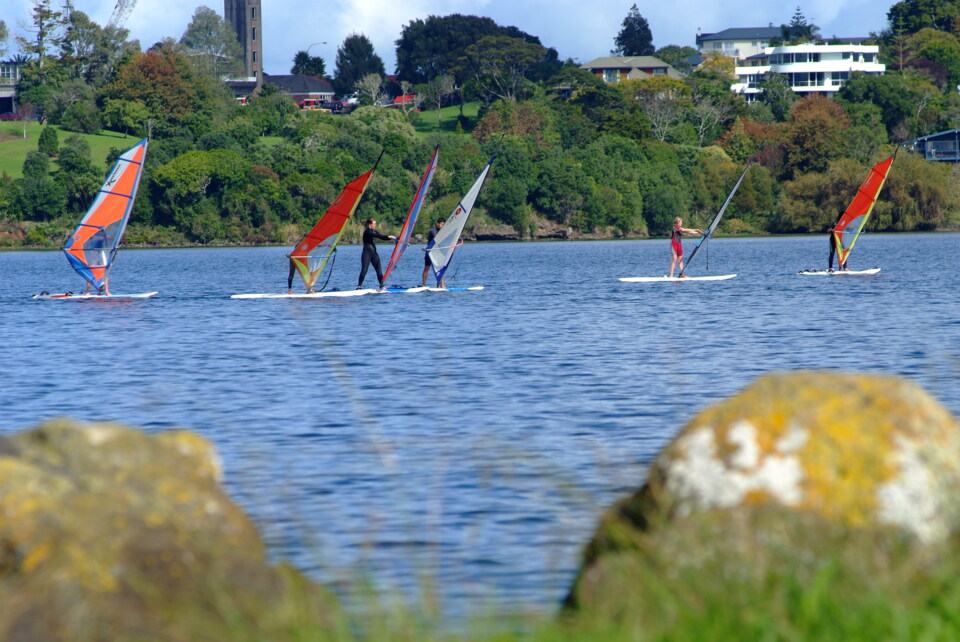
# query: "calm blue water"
x,y
470,437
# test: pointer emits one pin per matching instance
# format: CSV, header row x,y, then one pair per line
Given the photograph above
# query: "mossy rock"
x,y
110,533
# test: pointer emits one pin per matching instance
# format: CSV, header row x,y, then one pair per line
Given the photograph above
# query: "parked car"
x,y
10,116
350,99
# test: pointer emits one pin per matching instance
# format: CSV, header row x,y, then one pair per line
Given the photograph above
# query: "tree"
x,y
437,91
498,64
431,47
911,16
634,38
799,30
355,59
887,92
816,134
306,65
777,94
212,44
664,101
677,57
4,34
48,143
46,26
370,88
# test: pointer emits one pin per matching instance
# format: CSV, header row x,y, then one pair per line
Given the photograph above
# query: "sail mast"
x,y
716,219
418,199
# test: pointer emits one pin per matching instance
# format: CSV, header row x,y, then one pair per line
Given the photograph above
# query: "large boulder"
x,y
794,468
108,533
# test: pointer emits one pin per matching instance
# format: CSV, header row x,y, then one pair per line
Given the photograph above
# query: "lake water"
x,y
472,438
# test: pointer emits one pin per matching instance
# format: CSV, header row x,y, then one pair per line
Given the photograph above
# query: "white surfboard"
x,y
69,296
305,295
660,279
839,272
474,288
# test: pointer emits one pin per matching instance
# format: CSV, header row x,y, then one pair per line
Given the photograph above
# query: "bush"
x,y
83,118
48,143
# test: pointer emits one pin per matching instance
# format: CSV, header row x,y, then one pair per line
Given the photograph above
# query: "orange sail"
x,y
93,245
310,255
849,226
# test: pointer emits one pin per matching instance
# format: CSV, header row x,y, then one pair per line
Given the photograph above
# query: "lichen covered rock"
x,y
847,452
110,533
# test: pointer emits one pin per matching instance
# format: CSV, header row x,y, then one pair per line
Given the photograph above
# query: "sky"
x,y
577,29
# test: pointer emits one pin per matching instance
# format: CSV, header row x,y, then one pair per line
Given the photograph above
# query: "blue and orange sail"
x,y
311,253
851,223
92,246
403,240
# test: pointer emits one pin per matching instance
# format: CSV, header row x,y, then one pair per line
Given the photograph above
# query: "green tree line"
x,y
573,153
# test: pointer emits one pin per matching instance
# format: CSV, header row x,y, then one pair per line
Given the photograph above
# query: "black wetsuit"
x,y
370,255
431,235
833,251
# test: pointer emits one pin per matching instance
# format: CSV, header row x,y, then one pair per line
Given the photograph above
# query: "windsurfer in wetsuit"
x,y
833,250
431,236
676,249
369,255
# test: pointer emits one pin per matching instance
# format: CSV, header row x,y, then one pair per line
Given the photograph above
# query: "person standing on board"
x,y
833,250
431,236
676,249
369,255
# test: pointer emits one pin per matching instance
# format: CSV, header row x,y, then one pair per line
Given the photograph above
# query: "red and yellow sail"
x,y
93,244
310,255
849,226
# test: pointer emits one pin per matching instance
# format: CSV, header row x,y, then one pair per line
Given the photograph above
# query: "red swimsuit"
x,y
675,241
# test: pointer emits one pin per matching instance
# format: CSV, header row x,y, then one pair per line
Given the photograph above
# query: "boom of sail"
x,y
716,219
448,238
311,253
403,240
92,246
851,223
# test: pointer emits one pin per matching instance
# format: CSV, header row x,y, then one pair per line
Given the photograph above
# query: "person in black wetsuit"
x,y
369,255
833,251
431,235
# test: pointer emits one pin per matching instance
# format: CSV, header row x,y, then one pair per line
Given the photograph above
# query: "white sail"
x,y
448,238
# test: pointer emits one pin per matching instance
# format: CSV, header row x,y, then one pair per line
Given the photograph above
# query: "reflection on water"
x,y
473,436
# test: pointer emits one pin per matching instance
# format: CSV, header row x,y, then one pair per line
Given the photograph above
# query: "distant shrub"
x,y
48,143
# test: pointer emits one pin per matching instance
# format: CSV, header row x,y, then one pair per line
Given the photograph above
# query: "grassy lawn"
x,y
448,119
14,148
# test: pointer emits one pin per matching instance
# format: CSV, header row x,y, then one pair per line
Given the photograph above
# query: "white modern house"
x,y
809,68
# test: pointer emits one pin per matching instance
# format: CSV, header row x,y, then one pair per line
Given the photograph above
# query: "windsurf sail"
x,y
92,246
403,241
448,238
850,224
716,219
311,253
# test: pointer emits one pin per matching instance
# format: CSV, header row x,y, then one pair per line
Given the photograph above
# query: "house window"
x,y
839,77
254,56
8,72
611,75
868,57
800,57
253,13
253,33
659,71
846,55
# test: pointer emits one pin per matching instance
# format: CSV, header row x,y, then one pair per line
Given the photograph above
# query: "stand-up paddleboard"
x,y
840,272
332,294
70,296
398,290
662,279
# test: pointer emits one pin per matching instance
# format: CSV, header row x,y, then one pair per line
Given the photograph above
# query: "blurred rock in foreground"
x,y
757,492
107,533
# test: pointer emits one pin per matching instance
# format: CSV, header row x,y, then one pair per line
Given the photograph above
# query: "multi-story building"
x,y
9,77
809,68
738,43
245,18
